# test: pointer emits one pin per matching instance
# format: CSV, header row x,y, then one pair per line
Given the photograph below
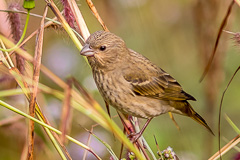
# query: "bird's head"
x,y
104,49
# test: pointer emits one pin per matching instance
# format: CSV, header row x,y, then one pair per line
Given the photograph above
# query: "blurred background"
x,y
178,36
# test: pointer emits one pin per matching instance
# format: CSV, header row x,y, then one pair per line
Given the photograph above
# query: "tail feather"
x,y
195,116
184,108
200,120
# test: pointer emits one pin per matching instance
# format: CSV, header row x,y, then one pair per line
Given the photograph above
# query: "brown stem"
x,y
95,12
66,110
36,73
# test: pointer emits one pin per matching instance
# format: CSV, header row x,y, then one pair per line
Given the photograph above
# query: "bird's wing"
x,y
159,85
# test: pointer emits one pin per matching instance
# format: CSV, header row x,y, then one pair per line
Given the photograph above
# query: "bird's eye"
x,y
102,48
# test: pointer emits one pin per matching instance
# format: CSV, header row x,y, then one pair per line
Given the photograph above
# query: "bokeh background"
x,y
178,36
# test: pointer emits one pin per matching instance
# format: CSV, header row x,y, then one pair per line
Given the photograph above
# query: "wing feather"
x,y
160,86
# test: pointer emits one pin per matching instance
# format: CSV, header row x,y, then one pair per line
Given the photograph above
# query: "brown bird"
x,y
131,83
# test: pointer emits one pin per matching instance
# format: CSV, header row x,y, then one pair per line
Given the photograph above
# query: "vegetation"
x,y
61,117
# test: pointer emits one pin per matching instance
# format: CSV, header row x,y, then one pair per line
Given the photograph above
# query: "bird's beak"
x,y
87,51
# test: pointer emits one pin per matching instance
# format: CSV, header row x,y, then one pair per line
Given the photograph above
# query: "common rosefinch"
x,y
133,84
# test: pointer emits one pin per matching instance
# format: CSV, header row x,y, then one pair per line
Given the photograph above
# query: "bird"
x,y
132,84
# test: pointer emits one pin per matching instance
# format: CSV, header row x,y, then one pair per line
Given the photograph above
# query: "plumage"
x,y
131,83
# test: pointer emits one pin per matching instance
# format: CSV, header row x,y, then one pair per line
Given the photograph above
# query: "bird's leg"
x,y
126,123
135,136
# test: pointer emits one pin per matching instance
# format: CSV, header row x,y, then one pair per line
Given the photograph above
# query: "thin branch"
x,y
66,109
224,22
220,112
88,143
33,95
95,13
226,148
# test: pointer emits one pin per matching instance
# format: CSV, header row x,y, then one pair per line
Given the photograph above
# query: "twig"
x,y
33,95
130,130
88,143
225,148
65,118
95,12
224,22
234,147
141,140
220,111
159,151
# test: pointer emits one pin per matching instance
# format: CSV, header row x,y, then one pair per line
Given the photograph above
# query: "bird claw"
x,y
133,137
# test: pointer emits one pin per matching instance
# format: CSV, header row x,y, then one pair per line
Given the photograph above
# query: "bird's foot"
x,y
134,136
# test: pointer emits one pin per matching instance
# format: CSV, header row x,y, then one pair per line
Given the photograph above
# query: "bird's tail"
x,y
195,116
186,109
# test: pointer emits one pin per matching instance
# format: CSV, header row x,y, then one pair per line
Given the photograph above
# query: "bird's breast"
x,y
113,88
